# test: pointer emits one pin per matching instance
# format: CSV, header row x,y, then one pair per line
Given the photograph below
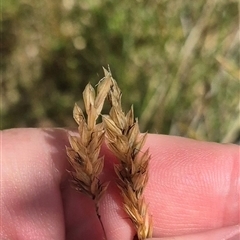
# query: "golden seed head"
x,y
123,139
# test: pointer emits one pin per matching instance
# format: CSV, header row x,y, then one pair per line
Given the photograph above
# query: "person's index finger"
x,y
192,185
32,168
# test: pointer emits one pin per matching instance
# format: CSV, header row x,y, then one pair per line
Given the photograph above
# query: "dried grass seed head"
x,y
125,141
83,154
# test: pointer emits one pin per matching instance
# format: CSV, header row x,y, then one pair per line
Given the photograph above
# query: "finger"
x,y
79,211
193,186
227,233
36,193
166,203
30,194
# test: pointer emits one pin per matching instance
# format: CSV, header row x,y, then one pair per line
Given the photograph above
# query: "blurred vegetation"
x,y
176,61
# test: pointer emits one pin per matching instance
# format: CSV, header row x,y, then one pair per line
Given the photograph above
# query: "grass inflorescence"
x,y
124,139
83,153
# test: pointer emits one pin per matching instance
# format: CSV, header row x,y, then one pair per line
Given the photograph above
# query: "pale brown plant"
x,y
125,141
83,153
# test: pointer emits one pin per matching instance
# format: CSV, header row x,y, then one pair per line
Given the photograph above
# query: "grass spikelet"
x,y
83,153
125,141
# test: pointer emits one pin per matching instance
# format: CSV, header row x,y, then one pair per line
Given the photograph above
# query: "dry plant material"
x,y
83,154
125,141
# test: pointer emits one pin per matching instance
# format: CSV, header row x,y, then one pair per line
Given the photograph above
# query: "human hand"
x,y
193,189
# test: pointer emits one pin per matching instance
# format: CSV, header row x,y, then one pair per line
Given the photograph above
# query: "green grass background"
x,y
177,62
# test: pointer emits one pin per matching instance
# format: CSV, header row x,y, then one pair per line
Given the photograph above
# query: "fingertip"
x,y
191,183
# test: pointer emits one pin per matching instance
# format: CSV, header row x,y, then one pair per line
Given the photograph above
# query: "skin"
x,y
193,190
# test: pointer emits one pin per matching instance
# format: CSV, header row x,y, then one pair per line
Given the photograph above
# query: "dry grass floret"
x,y
125,141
